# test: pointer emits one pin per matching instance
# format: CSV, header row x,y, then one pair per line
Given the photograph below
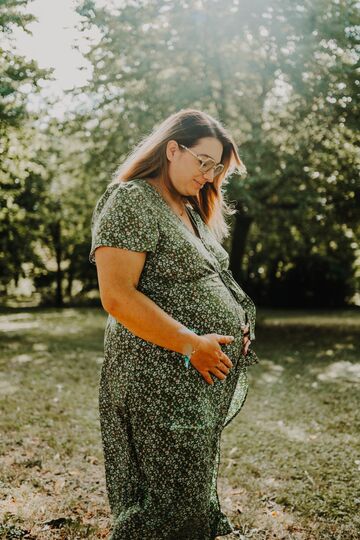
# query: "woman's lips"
x,y
198,183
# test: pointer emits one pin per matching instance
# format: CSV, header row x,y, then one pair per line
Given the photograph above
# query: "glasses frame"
x,y
202,161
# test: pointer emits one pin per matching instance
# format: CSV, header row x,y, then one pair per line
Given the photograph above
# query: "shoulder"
x,y
122,218
122,196
130,190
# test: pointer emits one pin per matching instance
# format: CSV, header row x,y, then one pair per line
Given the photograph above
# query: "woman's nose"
x,y
209,175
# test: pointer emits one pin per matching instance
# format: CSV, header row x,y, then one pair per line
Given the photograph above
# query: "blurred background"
x,y
82,82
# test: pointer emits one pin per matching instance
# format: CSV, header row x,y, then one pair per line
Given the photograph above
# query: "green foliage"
x,y
15,70
280,77
282,80
22,177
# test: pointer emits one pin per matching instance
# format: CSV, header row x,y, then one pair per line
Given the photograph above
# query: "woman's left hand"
x,y
246,340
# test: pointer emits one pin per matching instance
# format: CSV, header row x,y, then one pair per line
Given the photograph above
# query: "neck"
x,y
174,198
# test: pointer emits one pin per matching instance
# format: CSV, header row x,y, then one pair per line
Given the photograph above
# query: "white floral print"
x,y
161,423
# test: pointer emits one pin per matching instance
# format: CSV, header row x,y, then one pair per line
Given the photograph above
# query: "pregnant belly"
x,y
206,305
217,308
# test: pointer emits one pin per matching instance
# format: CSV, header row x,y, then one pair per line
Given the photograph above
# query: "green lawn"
x,y
290,460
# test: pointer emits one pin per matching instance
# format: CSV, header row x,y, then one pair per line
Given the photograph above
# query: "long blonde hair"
x,y
148,160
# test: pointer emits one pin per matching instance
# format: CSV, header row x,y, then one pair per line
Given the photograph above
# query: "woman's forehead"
x,y
210,149
205,155
209,153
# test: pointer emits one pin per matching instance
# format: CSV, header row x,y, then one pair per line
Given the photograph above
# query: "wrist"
x,y
191,341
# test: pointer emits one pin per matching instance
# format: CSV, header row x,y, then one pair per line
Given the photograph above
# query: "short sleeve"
x,y
123,218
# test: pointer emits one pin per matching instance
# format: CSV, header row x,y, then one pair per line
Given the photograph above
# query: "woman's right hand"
x,y
209,357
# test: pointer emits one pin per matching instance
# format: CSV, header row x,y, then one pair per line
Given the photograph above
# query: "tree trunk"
x,y
59,300
70,276
241,232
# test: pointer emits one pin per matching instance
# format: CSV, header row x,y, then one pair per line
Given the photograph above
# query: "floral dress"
x,y
161,422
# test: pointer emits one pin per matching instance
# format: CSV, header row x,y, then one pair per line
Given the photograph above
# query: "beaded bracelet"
x,y
187,357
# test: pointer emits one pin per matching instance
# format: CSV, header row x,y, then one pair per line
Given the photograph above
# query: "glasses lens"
x,y
207,165
218,169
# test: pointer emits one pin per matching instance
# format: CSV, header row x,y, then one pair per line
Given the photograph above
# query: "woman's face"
x,y
184,167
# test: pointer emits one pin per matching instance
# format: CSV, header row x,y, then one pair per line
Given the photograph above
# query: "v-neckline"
x,y
187,208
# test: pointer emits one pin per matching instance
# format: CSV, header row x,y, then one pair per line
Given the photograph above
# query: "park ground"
x,y
290,462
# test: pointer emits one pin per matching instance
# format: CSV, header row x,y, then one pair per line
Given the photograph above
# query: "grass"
x,y
290,460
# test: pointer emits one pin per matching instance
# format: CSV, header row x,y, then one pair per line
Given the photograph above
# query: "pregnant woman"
x,y
178,334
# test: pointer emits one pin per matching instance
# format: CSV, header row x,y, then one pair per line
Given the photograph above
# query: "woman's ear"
x,y
171,148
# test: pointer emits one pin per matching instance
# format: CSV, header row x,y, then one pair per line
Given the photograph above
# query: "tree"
x,y
21,175
267,72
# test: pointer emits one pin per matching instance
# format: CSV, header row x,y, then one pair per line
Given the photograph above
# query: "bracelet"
x,y
187,357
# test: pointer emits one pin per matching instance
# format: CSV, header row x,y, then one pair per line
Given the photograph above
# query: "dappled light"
x,y
293,445
295,433
83,83
22,358
281,78
272,371
14,326
313,318
342,371
7,387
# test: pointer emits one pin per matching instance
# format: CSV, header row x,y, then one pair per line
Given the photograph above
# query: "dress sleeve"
x,y
123,218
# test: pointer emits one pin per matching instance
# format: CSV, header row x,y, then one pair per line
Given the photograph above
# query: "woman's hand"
x,y
209,358
246,340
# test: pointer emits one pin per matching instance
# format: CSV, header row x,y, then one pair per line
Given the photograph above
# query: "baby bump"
x,y
220,304
206,306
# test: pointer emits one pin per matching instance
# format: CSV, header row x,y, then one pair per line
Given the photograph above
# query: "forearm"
x,y
144,318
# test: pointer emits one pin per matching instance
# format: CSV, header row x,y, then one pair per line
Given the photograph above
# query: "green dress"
x,y
161,422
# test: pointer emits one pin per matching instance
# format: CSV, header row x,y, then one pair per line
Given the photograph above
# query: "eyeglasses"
x,y
207,163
